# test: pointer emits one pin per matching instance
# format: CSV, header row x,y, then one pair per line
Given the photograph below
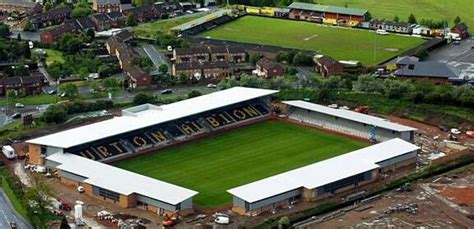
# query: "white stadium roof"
x,y
324,172
119,180
147,115
351,115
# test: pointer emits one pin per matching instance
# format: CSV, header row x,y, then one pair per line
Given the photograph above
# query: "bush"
x,y
55,114
143,97
194,93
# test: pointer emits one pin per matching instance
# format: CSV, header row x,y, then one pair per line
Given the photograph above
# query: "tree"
x,y
47,6
83,72
18,37
194,93
69,89
64,224
283,222
4,30
104,70
70,44
143,97
254,58
131,20
112,84
302,59
90,34
457,20
396,19
282,56
292,71
411,19
163,69
29,26
55,114
368,16
39,200
80,11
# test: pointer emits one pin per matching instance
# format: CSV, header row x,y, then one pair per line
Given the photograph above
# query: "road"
x,y
8,214
46,74
155,55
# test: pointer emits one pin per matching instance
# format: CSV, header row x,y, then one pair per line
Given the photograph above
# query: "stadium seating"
x,y
172,131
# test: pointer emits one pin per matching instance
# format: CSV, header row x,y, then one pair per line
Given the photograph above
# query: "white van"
x,y
9,152
222,220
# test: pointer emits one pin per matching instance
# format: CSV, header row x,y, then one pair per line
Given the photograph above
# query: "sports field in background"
x,y
215,164
340,43
429,9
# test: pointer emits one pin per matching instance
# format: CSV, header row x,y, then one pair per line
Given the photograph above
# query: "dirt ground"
x,y
445,201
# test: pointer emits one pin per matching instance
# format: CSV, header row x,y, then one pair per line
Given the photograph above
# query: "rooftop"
x,y
351,115
326,8
152,116
434,69
119,180
201,20
334,169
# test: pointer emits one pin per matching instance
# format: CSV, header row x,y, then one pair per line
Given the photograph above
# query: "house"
x,y
19,6
236,54
144,13
52,35
327,66
461,30
203,70
106,6
421,30
137,78
218,53
106,21
433,71
269,69
54,16
391,26
191,55
30,85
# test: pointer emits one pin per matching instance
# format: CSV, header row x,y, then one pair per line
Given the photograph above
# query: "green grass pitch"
x,y
340,43
215,164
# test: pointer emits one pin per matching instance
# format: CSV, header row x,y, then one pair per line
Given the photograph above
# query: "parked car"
x,y
16,116
52,92
222,220
80,189
166,91
211,85
19,105
455,131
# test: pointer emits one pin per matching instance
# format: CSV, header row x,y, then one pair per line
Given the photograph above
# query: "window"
x,y
107,194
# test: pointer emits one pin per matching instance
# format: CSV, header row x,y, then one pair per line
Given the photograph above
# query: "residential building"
x,y
461,30
106,21
191,55
29,85
106,6
269,69
53,16
20,6
137,78
327,66
202,70
52,35
144,13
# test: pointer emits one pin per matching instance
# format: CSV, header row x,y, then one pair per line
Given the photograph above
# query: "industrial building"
x,y
348,122
339,176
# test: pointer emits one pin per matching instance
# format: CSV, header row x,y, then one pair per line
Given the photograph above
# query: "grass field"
x,y
151,29
430,9
340,43
53,56
213,165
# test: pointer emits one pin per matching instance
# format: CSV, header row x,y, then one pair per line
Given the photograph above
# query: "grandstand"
x,y
336,177
348,122
206,22
333,15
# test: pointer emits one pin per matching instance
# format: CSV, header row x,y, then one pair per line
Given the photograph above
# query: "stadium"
x,y
229,149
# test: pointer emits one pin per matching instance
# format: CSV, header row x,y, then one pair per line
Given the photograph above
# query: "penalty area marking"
x,y
311,37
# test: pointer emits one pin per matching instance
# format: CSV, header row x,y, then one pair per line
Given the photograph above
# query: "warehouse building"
x,y
348,122
127,189
340,176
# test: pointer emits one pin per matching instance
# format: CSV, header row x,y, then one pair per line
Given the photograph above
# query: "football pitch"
x,y
237,157
338,42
